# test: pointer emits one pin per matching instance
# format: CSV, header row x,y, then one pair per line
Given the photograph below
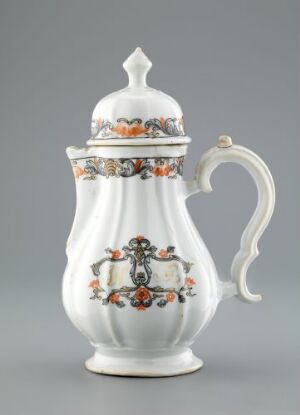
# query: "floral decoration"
x,y
134,128
145,168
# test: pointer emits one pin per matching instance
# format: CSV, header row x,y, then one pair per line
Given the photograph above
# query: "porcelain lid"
x,y
137,114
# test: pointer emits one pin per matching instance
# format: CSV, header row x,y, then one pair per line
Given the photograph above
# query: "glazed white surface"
x,y
124,114
111,211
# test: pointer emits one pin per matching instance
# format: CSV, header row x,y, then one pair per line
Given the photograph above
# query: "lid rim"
x,y
128,141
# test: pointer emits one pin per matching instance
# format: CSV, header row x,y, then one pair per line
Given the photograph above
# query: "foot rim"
x,y
173,365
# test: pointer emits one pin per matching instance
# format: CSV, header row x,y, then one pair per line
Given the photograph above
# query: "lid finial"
x,y
137,65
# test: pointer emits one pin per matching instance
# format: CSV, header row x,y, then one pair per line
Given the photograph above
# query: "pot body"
x,y
140,283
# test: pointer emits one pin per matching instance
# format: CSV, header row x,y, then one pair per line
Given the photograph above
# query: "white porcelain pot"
x,y
140,283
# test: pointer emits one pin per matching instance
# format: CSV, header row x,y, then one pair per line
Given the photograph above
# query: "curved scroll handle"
x,y
226,152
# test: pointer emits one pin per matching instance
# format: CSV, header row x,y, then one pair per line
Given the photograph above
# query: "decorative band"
x,y
136,128
145,168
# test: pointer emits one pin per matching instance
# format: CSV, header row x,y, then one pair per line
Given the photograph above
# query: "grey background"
x,y
234,67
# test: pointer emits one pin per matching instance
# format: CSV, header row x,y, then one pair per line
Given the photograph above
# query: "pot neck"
x,y
127,152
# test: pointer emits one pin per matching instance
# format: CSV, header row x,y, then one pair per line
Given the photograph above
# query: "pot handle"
x,y
227,152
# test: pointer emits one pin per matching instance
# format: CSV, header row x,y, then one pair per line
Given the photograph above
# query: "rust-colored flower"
x,y
78,171
125,130
162,121
167,169
163,253
115,254
139,237
170,297
158,171
162,170
142,294
94,284
137,165
114,298
141,307
190,281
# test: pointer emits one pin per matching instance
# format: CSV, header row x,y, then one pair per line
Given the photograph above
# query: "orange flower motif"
x,y
78,171
125,130
190,281
115,254
142,294
163,253
141,307
167,170
114,298
162,170
139,237
94,284
137,165
170,297
158,171
162,121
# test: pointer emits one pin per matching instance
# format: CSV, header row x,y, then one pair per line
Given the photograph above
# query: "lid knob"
x,y
137,65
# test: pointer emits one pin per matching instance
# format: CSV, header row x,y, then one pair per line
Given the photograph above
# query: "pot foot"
x,y
143,364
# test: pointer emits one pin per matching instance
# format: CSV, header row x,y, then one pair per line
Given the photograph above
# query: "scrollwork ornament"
x,y
145,168
140,253
136,127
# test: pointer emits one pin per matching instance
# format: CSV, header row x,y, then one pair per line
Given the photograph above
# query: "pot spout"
x,y
76,154
85,198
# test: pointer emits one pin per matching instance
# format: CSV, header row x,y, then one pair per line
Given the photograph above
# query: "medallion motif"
x,y
139,253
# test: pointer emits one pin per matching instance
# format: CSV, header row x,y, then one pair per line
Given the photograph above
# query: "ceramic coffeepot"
x,y
140,283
